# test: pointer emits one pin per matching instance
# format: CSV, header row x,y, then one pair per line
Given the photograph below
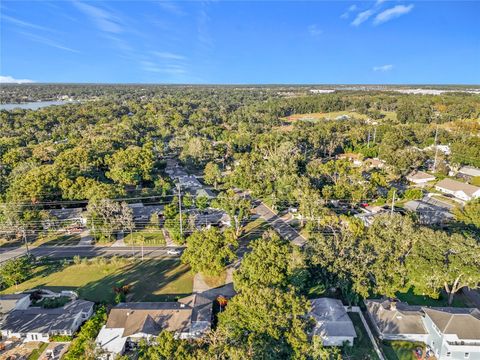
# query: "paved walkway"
x,y
120,242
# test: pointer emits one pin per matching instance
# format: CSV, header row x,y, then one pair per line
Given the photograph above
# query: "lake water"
x,y
32,105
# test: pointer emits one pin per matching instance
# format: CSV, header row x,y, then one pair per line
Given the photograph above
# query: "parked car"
x,y
174,252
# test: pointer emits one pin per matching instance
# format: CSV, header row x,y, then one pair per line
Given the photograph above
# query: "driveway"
x,y
281,227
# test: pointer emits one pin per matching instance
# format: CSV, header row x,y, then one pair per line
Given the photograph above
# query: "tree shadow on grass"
x,y
146,280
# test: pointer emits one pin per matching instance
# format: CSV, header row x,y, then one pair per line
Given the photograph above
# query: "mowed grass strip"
x,y
149,237
152,280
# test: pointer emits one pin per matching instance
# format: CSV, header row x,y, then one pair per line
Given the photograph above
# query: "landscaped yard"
x,y
149,237
152,280
362,347
401,350
409,297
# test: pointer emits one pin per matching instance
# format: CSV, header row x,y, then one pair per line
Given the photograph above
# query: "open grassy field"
x,y
314,117
149,237
152,280
363,347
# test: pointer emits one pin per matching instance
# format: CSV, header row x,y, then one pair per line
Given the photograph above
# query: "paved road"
x,y
88,251
284,229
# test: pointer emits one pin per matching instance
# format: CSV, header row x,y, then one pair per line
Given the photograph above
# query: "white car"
x,y
174,252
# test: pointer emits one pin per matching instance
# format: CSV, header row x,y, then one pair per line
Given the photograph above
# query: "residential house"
x,y
38,324
429,213
369,213
451,333
458,189
468,173
454,333
127,323
332,323
420,177
142,213
65,218
374,163
355,159
394,320
9,302
209,218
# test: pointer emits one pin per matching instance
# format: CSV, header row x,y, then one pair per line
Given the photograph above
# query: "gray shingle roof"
x,y
331,318
40,320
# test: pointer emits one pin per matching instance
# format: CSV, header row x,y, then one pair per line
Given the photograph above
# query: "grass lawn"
x,y
363,347
254,230
215,281
400,350
459,300
151,237
152,280
57,240
37,352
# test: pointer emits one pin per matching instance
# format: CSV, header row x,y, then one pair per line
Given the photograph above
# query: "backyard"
x,y
459,300
152,280
401,350
363,347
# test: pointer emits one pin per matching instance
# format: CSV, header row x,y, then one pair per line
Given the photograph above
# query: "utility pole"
x,y
436,151
24,234
368,142
374,134
393,201
180,208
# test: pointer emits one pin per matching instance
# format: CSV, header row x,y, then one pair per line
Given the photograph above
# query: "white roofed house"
x,y
38,324
420,177
468,173
454,333
451,333
332,323
458,189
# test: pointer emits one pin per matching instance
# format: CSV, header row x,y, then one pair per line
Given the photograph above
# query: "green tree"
x,y
267,323
272,262
131,166
470,213
237,207
209,251
442,261
212,174
15,271
202,202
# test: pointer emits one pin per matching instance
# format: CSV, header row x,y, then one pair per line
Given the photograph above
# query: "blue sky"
x,y
241,41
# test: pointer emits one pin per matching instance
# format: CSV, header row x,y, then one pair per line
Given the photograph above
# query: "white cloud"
x,y
362,17
171,7
169,55
392,13
22,23
350,9
170,69
46,41
383,68
314,30
12,80
103,19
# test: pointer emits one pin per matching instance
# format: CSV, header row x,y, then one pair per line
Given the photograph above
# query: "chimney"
x,y
393,305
